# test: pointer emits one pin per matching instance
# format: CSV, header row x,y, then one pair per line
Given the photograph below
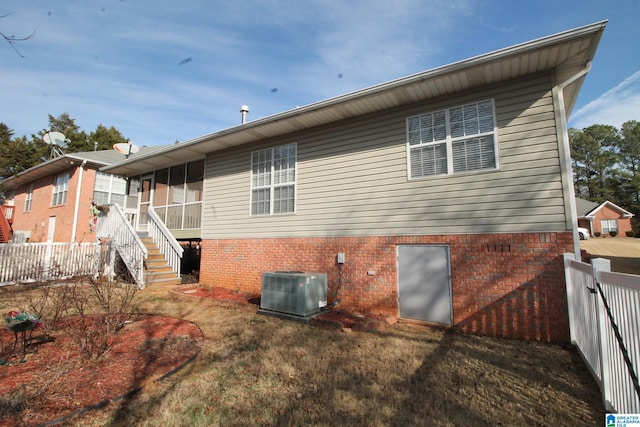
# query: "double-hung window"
x,y
60,188
273,180
454,140
28,198
609,225
109,189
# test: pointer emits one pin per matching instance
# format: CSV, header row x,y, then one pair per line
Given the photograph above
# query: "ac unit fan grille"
x,y
299,294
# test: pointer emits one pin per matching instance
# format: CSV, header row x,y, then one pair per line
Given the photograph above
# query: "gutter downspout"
x,y
77,207
565,165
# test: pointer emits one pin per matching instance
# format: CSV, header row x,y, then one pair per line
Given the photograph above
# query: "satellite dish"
x,y
126,148
54,138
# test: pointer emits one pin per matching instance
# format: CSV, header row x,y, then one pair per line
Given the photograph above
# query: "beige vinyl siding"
x,y
352,178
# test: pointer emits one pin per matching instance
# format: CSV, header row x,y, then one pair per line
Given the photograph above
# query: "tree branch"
x,y
12,39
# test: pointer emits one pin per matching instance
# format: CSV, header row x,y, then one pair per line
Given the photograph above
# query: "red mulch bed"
x,y
55,380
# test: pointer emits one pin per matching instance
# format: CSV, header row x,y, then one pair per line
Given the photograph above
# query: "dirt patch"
x,y
341,319
219,294
56,380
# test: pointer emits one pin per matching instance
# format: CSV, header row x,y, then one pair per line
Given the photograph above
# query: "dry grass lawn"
x,y
623,252
256,370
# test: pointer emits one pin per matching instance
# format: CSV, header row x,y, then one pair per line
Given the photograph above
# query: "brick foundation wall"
x,y
504,285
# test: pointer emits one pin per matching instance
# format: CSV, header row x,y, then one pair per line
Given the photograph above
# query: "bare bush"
x,y
99,307
103,307
48,302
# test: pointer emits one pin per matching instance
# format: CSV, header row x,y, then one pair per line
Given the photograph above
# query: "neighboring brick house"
x,y
603,218
52,200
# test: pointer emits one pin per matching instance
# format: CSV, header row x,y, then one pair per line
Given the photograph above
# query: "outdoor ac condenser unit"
x,y
294,293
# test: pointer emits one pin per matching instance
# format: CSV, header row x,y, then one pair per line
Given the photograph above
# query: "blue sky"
x,y
161,71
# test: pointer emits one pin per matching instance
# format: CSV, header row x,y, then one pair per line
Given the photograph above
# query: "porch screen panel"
x,y
195,178
161,187
176,184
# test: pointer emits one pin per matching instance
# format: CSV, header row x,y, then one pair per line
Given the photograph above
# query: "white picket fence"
x,y
30,262
604,316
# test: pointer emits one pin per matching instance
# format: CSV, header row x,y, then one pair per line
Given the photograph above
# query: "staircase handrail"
x,y
113,224
6,219
7,211
163,238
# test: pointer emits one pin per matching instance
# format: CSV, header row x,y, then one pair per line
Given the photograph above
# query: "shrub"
x,y
103,307
100,306
630,233
597,234
613,233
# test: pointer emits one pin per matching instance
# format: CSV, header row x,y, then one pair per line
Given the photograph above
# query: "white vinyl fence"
x,y
30,262
604,316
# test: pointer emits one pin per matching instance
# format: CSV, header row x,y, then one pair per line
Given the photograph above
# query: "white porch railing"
x,y
115,227
162,237
31,262
604,316
182,216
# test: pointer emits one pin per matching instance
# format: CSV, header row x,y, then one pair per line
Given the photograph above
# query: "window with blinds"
x,y
454,140
273,180
60,188
609,225
28,198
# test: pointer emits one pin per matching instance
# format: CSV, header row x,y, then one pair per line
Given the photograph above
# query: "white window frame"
x,y
60,189
28,198
448,141
605,224
271,185
105,183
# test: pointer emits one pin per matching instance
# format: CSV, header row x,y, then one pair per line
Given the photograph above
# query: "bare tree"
x,y
12,40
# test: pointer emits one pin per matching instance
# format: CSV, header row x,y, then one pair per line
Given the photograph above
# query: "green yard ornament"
x,y
21,323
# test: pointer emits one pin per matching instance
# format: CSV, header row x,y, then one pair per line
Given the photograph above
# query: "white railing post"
x,y
570,294
597,265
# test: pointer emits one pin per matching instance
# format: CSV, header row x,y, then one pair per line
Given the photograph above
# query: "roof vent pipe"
x,y
244,109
